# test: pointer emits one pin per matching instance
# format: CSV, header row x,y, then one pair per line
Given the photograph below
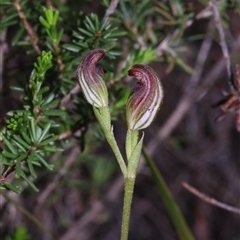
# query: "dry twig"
x,y
29,215
210,200
163,46
67,98
111,8
3,49
187,100
27,25
64,169
217,20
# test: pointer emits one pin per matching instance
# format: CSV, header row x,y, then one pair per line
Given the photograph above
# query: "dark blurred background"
x,y
83,200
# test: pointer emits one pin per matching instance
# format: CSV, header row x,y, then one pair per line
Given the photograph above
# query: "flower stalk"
x,y
127,202
103,116
143,103
90,79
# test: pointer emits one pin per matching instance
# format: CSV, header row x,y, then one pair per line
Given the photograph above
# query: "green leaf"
x,y
18,89
44,132
104,23
51,104
21,142
117,33
178,220
43,162
55,17
83,45
53,32
96,22
44,22
11,187
53,149
43,90
8,154
90,24
7,19
6,2
106,3
5,161
48,98
185,67
33,130
7,24
49,15
30,166
31,184
86,32
23,43
48,140
55,112
17,36
20,146
71,47
18,169
25,137
9,145
38,132
59,37
78,35
33,84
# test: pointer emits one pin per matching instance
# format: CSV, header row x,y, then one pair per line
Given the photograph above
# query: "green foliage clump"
x,y
28,139
19,233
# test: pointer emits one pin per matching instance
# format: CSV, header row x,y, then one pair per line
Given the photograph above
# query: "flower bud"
x,y
145,97
90,78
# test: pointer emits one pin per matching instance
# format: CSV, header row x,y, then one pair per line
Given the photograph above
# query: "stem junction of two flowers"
x,y
143,103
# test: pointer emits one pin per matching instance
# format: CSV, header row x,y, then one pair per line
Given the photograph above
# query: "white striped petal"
x,y
90,78
145,98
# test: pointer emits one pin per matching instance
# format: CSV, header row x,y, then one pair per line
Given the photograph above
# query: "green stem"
x,y
112,142
104,119
133,150
131,142
128,195
35,96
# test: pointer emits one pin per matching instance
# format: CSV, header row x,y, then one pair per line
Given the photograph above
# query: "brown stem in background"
x,y
188,99
59,57
60,62
7,173
210,200
29,215
54,183
49,3
111,8
3,49
27,25
206,12
217,20
67,98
